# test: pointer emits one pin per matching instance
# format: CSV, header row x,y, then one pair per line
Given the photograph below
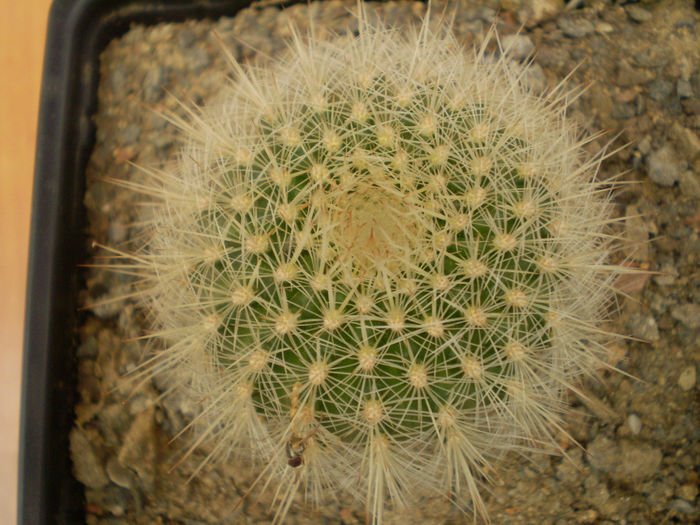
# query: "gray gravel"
x,y
637,457
662,166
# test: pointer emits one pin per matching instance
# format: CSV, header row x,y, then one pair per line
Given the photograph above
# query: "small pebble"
x,y
638,14
623,111
152,84
684,89
602,453
129,134
687,314
534,78
88,348
689,184
660,89
628,76
138,403
119,474
116,79
634,424
687,378
695,82
654,56
575,27
197,60
637,461
604,28
532,12
691,107
687,492
117,232
637,234
87,466
138,451
685,140
107,306
518,46
644,327
644,145
662,166
115,500
187,38
667,276
558,58
682,506
587,516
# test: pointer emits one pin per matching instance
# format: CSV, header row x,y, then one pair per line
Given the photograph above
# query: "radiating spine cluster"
x,y
377,266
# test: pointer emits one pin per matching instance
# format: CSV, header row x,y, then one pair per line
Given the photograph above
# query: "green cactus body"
x,y
378,265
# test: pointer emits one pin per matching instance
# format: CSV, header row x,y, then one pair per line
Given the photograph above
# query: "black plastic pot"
x,y
78,31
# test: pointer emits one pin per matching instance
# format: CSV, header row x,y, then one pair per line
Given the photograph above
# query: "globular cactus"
x,y
378,265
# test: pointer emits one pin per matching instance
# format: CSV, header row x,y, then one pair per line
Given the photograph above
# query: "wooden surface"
x,y
22,33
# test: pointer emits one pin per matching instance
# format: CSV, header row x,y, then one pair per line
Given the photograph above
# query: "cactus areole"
x,y
377,264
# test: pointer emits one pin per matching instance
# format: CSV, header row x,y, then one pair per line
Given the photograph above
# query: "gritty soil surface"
x,y
636,453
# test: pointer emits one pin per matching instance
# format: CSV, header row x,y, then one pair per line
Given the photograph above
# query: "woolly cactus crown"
x,y
378,264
